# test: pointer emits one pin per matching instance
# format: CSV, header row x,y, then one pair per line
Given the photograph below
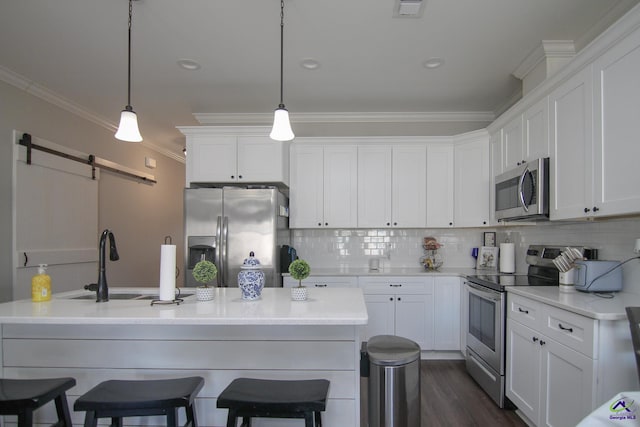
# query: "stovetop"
x,y
498,282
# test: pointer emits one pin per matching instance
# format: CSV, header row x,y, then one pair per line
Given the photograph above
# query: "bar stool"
x,y
23,396
117,399
249,398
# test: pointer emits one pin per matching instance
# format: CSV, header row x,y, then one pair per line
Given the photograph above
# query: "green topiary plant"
x,y
204,272
299,270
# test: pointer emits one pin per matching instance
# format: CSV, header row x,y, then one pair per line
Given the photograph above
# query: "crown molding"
x,y
363,117
14,79
547,49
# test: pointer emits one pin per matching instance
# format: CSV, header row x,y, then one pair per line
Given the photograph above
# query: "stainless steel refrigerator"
x,y
224,225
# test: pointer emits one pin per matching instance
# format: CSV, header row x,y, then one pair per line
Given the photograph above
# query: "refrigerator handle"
x,y
218,250
225,250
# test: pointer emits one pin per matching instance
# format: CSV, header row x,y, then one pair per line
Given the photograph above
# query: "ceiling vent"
x,y
408,8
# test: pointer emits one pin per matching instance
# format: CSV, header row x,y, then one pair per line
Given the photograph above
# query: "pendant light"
x,y
128,127
281,130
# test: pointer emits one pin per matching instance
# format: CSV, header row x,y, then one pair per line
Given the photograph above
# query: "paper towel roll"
x,y
167,272
507,258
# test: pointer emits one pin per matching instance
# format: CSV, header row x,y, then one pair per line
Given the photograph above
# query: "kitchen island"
x,y
219,340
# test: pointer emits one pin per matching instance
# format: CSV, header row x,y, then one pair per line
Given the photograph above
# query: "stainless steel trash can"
x,y
394,381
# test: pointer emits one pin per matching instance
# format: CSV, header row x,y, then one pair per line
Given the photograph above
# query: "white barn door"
x,y
55,216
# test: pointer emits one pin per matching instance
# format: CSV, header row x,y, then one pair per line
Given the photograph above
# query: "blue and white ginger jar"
x,y
251,278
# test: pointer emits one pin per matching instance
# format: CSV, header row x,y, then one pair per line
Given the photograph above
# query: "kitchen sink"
x,y
127,296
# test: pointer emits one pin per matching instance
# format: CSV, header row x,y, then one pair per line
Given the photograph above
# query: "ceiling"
x,y
369,60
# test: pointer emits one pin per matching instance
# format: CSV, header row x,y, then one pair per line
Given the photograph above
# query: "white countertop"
x,y
330,306
394,271
584,303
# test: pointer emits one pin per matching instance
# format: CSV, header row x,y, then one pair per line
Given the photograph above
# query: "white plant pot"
x,y
299,293
205,293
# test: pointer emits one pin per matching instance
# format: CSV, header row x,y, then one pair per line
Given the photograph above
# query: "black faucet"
x,y
101,288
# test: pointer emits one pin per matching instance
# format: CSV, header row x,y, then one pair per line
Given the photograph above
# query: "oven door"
x,y
485,333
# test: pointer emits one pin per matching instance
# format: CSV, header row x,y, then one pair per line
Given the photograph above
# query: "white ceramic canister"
x,y
251,278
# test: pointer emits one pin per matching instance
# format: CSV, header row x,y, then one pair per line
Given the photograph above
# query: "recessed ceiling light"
x,y
188,64
433,63
309,64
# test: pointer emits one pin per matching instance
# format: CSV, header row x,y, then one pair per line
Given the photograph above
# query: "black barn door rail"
x,y
25,141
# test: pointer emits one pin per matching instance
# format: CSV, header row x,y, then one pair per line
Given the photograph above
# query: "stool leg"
x,y
25,418
308,419
63,410
191,416
90,419
116,421
246,422
172,417
232,418
318,419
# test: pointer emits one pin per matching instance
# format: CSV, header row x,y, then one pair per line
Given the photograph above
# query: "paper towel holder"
x,y
177,300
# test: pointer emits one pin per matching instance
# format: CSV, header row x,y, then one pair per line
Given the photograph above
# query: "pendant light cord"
x,y
128,107
281,54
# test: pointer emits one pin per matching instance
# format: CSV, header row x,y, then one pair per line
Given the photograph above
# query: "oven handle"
x,y
484,292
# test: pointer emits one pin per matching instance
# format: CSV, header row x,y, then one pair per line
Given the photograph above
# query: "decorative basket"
x,y
205,293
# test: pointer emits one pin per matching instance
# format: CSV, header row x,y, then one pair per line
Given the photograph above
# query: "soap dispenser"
x,y
41,285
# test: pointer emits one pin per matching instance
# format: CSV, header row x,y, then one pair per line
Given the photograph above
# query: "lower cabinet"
x,y
322,281
424,309
561,365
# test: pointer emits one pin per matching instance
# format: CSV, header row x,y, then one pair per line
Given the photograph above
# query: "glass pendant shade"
x,y
128,129
281,130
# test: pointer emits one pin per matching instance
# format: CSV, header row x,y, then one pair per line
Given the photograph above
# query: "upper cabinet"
x,y
214,156
616,128
472,180
526,136
323,186
440,186
571,187
392,187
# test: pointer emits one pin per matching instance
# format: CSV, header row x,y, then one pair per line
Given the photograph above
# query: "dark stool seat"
x,y
23,396
117,399
248,398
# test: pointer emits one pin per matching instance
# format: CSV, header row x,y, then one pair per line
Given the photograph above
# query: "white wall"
x,y
139,214
614,240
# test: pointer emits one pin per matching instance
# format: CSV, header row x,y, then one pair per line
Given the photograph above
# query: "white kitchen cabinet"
x,y
512,143
472,180
400,306
392,186
323,282
323,186
440,185
526,136
571,160
616,91
236,159
446,311
562,365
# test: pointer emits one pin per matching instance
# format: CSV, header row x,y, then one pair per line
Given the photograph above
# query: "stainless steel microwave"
x,y
522,194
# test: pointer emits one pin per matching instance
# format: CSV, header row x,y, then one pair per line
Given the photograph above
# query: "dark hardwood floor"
x,y
450,397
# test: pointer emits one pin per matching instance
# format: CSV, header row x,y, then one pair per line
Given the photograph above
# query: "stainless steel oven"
x,y
485,339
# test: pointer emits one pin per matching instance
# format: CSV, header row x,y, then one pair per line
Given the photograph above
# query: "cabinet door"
x,y
523,369
616,128
341,186
409,193
472,180
374,186
414,319
211,159
571,177
381,311
536,130
512,140
440,185
567,385
306,201
260,159
446,311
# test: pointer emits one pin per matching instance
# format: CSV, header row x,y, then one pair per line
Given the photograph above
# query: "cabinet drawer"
x,y
396,285
524,310
573,330
322,282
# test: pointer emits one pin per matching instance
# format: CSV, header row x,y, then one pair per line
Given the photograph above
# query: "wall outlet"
x,y
150,162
